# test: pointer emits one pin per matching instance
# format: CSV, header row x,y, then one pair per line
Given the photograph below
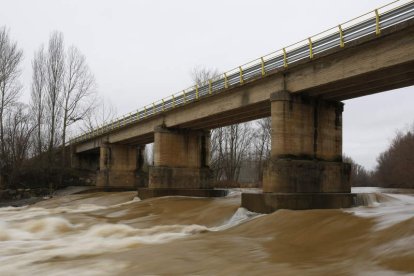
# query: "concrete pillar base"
x,y
144,193
270,202
179,178
306,176
116,179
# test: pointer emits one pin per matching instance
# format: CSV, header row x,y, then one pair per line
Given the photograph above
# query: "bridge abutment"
x,y
306,169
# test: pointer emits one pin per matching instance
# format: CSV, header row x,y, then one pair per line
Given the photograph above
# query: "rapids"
x,y
117,234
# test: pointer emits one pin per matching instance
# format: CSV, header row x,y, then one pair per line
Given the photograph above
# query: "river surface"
x,y
117,234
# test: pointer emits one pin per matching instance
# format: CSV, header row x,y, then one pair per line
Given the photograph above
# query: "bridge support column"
x,y
117,166
306,169
181,164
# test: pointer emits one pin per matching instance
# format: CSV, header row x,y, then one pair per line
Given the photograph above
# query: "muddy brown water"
x,y
117,234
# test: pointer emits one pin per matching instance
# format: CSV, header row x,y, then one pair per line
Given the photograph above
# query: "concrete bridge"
x,y
301,87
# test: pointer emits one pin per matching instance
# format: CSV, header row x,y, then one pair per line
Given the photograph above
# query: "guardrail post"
x,y
163,109
185,97
138,118
173,98
241,75
377,23
310,48
285,63
225,81
263,66
210,89
341,37
196,89
145,112
153,108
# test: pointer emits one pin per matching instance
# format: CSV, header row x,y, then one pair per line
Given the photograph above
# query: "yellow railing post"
x,y
185,97
263,66
341,37
310,48
285,63
163,108
210,87
377,23
241,75
173,98
196,89
226,85
153,108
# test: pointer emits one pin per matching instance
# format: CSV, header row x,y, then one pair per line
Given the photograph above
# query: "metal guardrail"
x,y
366,24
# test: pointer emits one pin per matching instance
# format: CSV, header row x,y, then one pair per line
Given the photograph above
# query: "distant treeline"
x,y
395,168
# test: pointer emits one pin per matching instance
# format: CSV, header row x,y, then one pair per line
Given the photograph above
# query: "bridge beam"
x,y
306,169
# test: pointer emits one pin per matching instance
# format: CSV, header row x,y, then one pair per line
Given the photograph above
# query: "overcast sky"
x,y
141,51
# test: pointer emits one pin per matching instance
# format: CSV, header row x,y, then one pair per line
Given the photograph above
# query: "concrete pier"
x,y
306,169
181,159
118,165
181,164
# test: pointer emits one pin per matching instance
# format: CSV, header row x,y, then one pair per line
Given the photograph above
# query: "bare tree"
x,y
360,177
38,96
10,87
103,113
201,75
216,148
78,89
395,167
236,143
262,144
55,67
19,128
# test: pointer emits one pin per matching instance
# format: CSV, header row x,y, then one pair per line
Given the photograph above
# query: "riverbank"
x,y
18,198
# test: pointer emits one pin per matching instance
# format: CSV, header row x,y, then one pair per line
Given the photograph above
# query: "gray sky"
x,y
142,51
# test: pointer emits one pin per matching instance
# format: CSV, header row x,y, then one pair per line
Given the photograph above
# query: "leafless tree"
x,y
10,87
19,128
360,177
201,75
236,144
55,68
78,89
38,96
262,138
395,167
103,113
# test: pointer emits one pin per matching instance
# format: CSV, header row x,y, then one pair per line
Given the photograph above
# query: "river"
x,y
117,234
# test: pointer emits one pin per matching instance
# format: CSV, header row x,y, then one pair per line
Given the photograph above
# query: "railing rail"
x,y
370,23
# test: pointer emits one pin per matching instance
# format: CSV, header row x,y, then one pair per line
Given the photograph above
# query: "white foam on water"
x,y
240,216
32,237
386,209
